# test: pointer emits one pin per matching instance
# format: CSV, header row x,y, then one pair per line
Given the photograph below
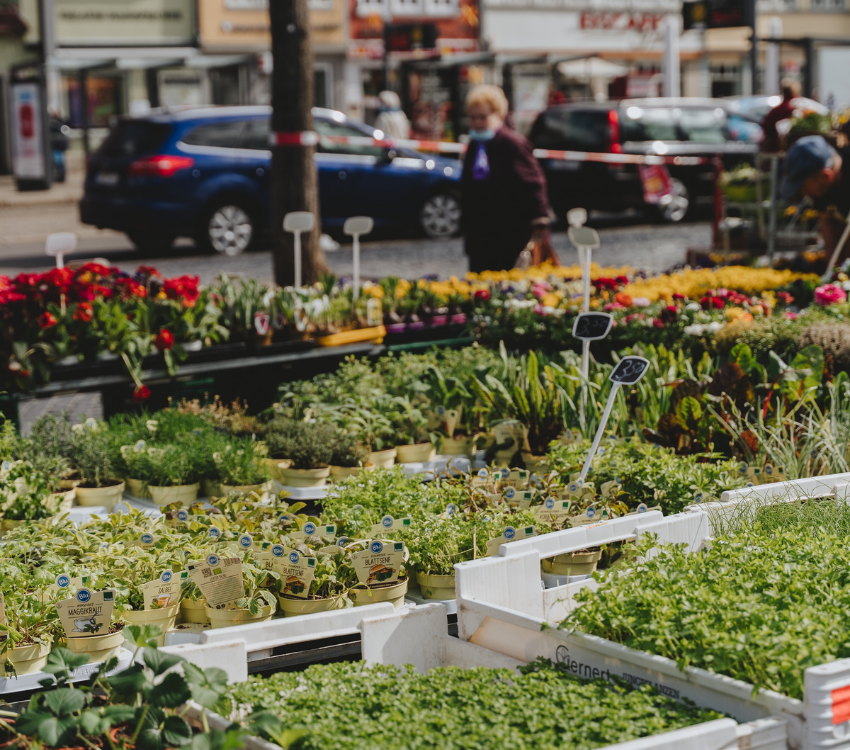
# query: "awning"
x,y
591,67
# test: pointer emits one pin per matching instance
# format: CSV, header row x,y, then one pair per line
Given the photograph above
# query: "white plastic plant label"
x,y
380,563
262,322
219,579
313,531
296,571
510,534
571,436
511,430
553,510
246,542
448,419
164,591
374,312
87,613
389,524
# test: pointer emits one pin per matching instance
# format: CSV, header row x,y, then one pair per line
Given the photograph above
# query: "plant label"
x,y
518,478
518,499
262,322
87,613
380,563
389,524
214,533
164,591
592,326
447,419
510,534
374,312
570,437
591,515
312,531
296,571
628,371
219,579
552,510
512,434
65,584
246,542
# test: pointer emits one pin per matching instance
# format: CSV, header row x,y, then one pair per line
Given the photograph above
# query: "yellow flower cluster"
x,y
546,270
695,283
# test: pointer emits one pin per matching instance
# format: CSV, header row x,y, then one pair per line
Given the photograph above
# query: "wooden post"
x,y
294,179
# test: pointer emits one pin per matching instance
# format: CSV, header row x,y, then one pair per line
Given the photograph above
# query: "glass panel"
x,y
644,124
325,128
227,134
704,125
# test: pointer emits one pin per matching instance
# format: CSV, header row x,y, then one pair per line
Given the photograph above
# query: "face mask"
x,y
481,135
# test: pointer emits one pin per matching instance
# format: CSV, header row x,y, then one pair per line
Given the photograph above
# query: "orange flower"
x,y
623,299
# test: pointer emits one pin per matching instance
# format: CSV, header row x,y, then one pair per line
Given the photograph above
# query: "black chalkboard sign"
x,y
629,370
591,326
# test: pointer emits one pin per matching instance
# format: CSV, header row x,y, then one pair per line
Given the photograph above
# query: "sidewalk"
x,y
69,191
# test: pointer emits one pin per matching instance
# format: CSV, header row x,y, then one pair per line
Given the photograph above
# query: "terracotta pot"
x,y
414,454
292,606
343,472
98,647
382,592
572,563
383,459
185,494
28,659
276,466
138,489
90,497
461,446
438,587
225,618
165,618
305,477
192,611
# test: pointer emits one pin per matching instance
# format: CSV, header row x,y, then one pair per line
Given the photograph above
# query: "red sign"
x,y
594,20
656,182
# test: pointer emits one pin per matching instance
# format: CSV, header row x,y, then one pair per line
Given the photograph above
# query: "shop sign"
x,y
619,21
625,6
130,22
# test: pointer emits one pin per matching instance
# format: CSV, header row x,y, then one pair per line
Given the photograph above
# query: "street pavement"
x,y
23,229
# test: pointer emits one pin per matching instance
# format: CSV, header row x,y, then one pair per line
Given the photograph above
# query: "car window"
x,y
572,130
222,134
704,125
647,124
256,134
334,129
134,137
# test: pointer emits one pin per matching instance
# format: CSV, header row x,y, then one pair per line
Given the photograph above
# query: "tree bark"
x,y
294,178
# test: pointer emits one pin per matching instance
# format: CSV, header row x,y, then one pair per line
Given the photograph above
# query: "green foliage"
x,y
307,444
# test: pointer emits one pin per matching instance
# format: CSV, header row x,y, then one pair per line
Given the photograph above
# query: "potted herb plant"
x,y
377,589
91,456
328,589
170,475
415,441
350,457
239,468
257,605
310,448
31,622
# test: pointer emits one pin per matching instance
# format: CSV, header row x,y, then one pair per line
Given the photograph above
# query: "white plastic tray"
x,y
27,682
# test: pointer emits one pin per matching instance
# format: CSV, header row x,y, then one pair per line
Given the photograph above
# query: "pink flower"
x,y
790,315
829,294
614,306
641,302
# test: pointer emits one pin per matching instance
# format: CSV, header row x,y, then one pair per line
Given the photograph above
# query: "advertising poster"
x,y
28,155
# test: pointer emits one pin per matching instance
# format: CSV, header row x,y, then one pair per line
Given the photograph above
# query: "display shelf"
x,y
30,682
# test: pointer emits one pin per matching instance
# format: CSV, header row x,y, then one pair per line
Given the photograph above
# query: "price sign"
x,y
592,326
629,370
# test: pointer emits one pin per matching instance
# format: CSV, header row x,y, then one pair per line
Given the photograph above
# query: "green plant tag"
x,y
380,563
86,613
296,573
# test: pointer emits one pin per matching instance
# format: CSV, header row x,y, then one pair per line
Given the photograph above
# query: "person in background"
x,y
782,111
391,120
816,170
505,204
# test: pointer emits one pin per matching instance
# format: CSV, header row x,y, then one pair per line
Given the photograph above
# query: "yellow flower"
x,y
550,300
737,313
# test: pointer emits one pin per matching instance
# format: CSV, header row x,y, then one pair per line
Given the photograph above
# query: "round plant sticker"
x,y
642,508
742,468
549,503
214,532
376,547
573,487
509,493
591,512
482,473
451,509
294,557
166,576
387,522
506,473
441,410
147,538
213,559
768,470
63,581
277,550
698,497
309,528
183,515
342,541
510,533
246,541
84,596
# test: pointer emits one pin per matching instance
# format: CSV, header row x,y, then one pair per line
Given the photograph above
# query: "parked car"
x,y
668,127
747,112
205,174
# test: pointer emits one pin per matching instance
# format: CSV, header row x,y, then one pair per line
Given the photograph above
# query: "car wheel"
x,y
149,243
228,229
440,216
676,208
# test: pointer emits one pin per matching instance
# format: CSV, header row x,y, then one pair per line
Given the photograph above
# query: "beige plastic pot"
x,y
535,463
276,466
245,489
225,618
415,454
461,446
28,659
343,472
185,494
305,477
98,647
383,459
164,618
292,607
437,587
572,563
195,612
8,525
392,592
138,489
90,497
63,500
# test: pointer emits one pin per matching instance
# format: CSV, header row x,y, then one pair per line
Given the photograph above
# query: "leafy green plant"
x,y
348,451
90,454
237,464
307,445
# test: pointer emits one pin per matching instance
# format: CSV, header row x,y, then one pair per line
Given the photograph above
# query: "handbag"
x,y
537,253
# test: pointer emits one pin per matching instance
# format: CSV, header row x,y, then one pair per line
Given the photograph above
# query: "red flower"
x,y
604,283
708,302
131,288
147,271
141,393
96,268
84,312
164,340
784,298
622,280
658,323
60,278
482,294
47,320
717,303
668,314
678,296
182,289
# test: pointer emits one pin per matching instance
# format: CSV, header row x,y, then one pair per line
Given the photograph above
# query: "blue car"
x,y
205,174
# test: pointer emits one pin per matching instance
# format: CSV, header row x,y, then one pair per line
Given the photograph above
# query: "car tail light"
x,y
614,123
160,166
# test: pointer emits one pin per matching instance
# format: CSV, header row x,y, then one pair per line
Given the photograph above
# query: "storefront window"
x,y
103,94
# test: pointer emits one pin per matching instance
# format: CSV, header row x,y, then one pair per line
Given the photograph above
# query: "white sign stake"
x,y
60,244
627,372
298,222
356,226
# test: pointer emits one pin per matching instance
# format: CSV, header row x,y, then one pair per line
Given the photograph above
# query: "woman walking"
x,y
504,190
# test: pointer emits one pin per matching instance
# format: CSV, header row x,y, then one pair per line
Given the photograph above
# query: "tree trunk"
x,y
294,179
